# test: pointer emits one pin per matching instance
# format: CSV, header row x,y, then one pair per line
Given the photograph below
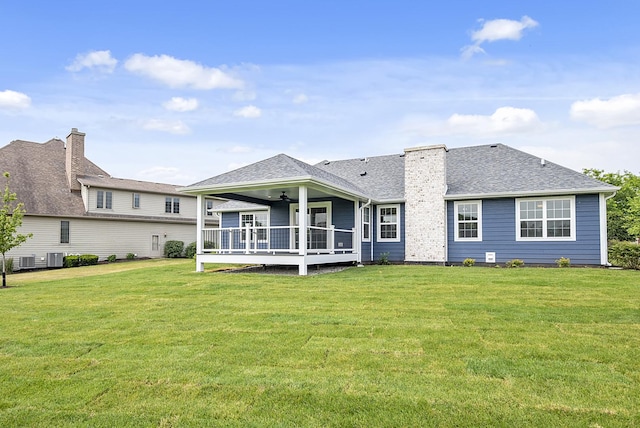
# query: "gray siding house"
x,y
429,204
75,207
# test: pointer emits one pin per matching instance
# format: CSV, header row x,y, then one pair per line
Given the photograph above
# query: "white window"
x,y
389,223
64,232
258,220
172,205
135,202
468,221
366,224
546,219
104,199
209,207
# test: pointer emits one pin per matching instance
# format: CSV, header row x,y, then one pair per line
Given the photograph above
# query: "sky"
x,y
177,92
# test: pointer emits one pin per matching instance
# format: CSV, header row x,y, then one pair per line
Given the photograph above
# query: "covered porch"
x,y
263,224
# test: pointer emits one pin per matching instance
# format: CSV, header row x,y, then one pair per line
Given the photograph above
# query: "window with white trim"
x,y
257,220
389,223
135,200
468,221
209,207
546,219
366,224
104,200
172,205
64,232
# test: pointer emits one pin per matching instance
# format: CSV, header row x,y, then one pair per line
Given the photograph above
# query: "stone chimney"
x,y
75,158
425,183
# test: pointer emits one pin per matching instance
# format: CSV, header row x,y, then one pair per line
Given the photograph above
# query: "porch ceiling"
x,y
272,192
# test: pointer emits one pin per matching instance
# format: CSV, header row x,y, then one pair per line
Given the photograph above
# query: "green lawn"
x,y
155,344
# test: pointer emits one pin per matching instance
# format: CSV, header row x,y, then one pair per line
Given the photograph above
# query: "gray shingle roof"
x,y
39,179
498,169
381,177
279,167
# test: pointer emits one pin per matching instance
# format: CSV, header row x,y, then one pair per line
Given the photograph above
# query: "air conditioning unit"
x,y
28,262
55,259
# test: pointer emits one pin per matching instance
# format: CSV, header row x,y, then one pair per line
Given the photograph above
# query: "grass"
x,y
153,343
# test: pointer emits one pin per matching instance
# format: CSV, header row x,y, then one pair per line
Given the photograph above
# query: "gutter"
x,y
520,194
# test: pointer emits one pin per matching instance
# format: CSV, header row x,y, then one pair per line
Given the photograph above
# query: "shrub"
x,y
625,254
80,260
71,261
563,262
515,263
173,249
131,256
112,258
384,259
468,262
88,259
8,264
190,250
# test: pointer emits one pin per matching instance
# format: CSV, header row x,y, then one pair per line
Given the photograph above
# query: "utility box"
x,y
55,259
28,262
490,257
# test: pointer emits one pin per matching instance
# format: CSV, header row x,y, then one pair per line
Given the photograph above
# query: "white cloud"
x,y
177,73
14,100
622,110
300,99
181,104
172,127
502,29
497,29
101,61
249,112
503,121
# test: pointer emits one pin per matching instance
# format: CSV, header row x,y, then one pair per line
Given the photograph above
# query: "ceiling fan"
x,y
284,196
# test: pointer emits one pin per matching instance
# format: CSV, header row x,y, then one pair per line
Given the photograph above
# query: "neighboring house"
x,y
75,207
491,203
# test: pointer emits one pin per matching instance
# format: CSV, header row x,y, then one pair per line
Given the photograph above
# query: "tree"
x,y
623,209
10,221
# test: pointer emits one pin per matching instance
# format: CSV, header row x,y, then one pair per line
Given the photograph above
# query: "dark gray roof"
x,y
497,169
39,179
479,171
381,177
279,167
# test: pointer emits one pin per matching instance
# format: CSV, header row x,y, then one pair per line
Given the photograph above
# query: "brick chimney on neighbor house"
x,y
425,181
75,158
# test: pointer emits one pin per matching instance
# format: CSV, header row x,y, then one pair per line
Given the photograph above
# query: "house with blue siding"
x,y
430,204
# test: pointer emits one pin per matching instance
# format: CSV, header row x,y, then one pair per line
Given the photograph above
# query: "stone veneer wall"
x,y
425,219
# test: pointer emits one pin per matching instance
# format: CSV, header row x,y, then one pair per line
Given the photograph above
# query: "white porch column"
x,y
302,232
199,227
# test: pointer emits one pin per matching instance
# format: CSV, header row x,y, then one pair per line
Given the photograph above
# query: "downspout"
x,y
604,246
370,230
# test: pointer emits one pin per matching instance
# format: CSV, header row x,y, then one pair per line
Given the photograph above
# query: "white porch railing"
x,y
277,239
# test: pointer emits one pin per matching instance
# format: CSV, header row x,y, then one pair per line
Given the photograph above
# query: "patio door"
x,y
318,215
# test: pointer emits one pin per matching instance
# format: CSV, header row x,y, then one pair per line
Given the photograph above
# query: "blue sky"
x,y
181,91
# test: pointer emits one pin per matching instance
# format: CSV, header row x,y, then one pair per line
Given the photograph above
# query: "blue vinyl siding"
x,y
499,236
230,219
395,249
